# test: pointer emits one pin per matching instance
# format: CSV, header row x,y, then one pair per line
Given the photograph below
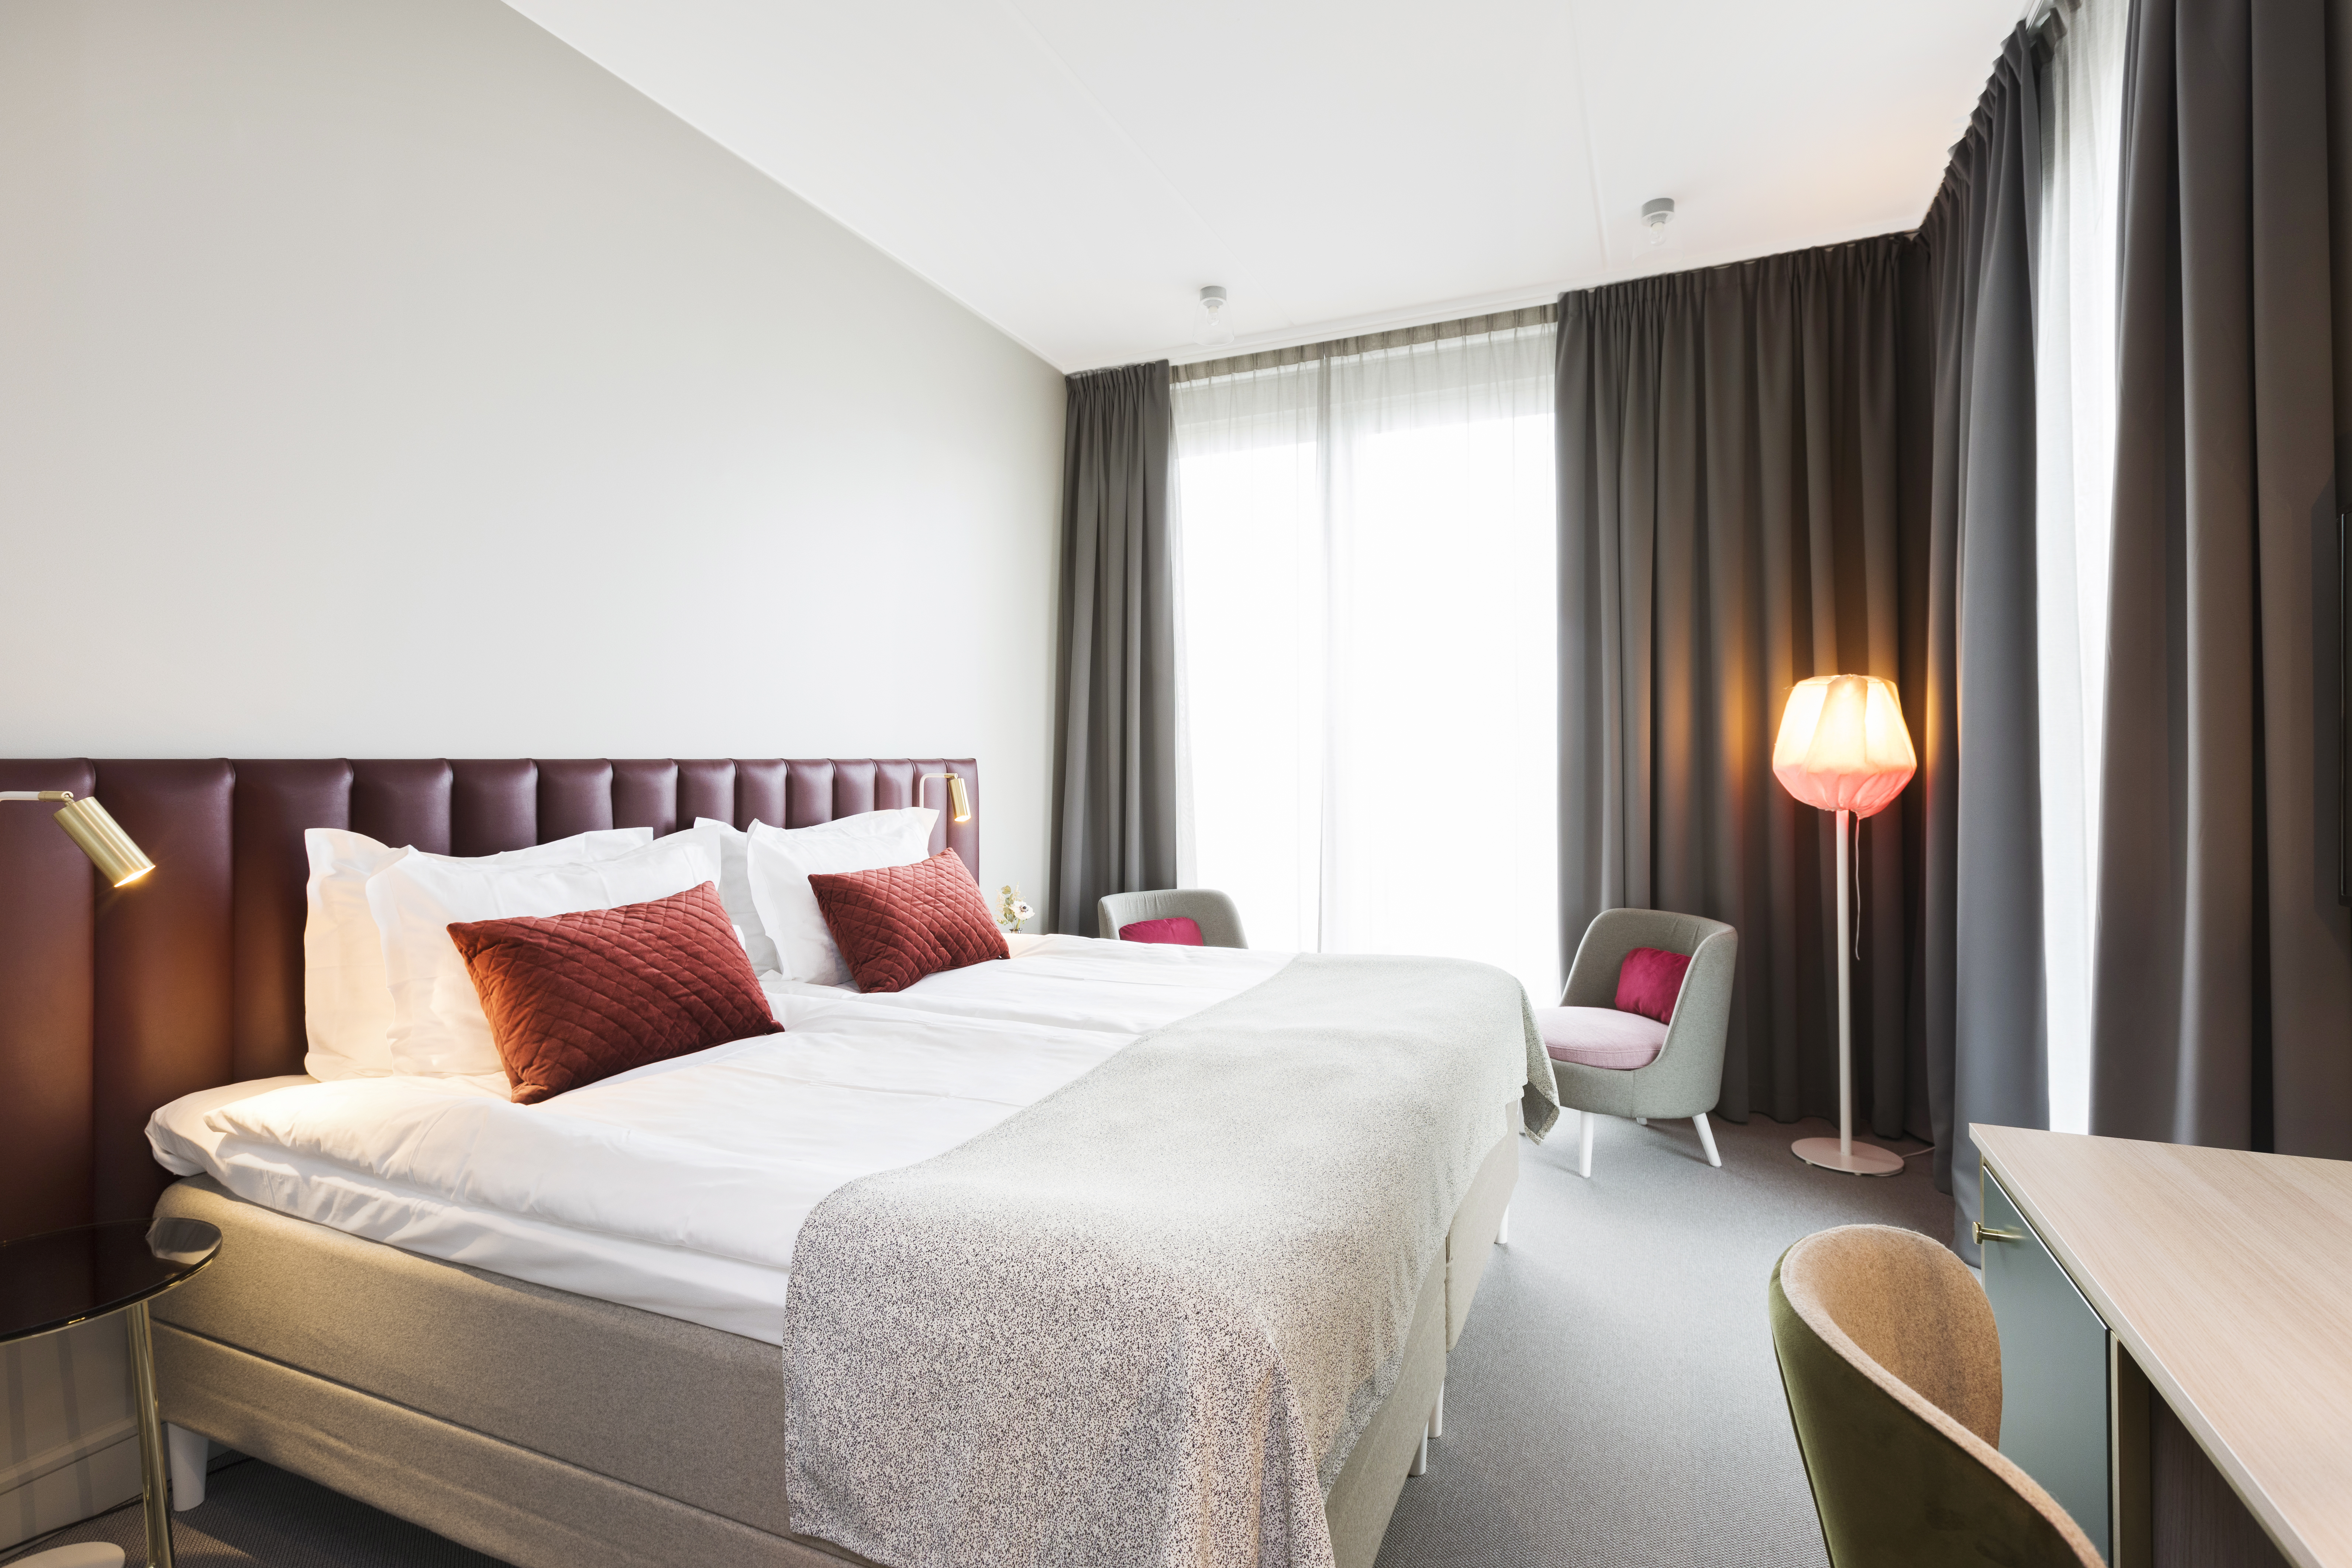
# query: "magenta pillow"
x,y
1183,931
1649,981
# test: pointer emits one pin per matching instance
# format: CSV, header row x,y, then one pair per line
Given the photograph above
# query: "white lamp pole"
x,y
1843,1153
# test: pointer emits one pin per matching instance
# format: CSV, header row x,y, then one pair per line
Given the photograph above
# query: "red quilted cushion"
x,y
897,924
1649,981
574,998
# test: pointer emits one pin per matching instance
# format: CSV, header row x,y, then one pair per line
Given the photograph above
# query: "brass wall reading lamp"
x,y
959,803
87,824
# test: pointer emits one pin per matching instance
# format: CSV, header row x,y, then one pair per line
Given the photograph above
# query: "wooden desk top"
x,y
2228,1277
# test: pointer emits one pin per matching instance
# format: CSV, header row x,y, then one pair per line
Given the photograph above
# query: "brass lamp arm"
x,y
959,803
101,837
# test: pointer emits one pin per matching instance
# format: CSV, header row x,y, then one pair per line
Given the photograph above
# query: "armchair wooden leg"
x,y
1584,1157
1706,1137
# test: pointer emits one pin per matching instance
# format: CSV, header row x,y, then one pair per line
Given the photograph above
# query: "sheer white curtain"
x,y
1368,648
2074,394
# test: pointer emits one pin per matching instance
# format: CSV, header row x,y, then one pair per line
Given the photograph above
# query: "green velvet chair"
x,y
1892,1365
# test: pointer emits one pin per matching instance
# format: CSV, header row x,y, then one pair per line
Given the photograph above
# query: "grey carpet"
x,y
1613,1400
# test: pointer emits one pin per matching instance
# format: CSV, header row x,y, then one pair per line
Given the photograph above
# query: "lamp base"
x,y
1866,1160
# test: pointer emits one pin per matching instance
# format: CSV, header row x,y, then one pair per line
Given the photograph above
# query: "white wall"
x,y
389,380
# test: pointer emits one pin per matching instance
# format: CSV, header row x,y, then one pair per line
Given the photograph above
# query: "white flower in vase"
x,y
1012,909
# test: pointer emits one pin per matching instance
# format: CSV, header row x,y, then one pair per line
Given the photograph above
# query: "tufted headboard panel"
x,y
114,1001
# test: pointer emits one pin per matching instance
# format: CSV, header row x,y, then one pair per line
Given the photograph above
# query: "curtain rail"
x,y
1370,343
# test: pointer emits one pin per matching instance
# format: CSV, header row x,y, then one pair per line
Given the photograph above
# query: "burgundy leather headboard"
x,y
113,1002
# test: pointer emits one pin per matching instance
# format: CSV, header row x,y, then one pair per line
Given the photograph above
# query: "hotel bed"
x,y
552,1331
579,1193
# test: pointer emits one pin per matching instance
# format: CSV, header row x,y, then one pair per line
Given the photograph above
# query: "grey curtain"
x,y
1983,1013
2222,1002
1812,464
1115,803
1732,519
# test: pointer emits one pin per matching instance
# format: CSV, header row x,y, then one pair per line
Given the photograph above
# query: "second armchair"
x,y
1613,1063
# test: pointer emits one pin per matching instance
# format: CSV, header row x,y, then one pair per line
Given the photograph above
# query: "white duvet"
x,y
679,1187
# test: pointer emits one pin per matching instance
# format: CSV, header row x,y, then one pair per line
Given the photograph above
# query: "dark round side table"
x,y
68,1277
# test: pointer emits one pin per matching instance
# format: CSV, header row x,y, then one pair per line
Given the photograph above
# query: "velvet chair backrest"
x,y
1892,1365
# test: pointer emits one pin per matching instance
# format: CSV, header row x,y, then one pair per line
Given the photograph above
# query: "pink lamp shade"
x,y
1842,746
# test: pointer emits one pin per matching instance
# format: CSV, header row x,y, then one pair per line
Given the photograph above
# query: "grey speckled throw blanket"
x,y
1141,1323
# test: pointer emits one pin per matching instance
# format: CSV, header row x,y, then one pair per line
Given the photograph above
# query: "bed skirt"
x,y
553,1430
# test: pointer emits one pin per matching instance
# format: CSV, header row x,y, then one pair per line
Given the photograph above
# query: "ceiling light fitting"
x,y
1658,212
1212,330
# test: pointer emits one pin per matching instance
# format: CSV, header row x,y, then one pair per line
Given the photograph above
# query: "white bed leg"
x,y
1503,1230
1437,1414
1420,1457
188,1451
1584,1159
1706,1137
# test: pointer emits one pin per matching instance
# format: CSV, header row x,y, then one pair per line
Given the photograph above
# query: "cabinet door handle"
x,y
1985,1233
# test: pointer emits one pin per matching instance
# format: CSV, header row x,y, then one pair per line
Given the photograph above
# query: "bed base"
x,y
553,1430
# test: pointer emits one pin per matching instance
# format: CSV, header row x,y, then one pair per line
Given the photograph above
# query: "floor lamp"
x,y
1842,747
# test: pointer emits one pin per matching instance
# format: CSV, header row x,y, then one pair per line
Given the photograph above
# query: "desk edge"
x,y
2258,1502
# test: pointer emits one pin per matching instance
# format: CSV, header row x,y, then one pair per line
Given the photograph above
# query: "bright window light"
x,y
1371,649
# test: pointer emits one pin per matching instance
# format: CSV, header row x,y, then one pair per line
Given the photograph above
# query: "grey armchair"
x,y
1686,1077
1214,912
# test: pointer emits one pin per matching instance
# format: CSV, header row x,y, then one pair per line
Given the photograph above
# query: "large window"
x,y
1369,620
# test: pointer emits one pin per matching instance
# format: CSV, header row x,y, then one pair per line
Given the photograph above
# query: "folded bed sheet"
x,y
679,1187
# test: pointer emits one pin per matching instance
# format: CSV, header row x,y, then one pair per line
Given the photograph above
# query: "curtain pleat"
x,y
1987,1038
1116,813
2222,989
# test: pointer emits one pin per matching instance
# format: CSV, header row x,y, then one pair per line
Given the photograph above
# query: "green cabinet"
x,y
2056,1404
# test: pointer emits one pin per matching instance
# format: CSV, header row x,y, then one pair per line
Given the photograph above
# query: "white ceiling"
x,y
1074,171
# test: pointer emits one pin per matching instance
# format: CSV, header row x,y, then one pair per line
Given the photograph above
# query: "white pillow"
x,y
346,1005
731,845
437,1024
782,859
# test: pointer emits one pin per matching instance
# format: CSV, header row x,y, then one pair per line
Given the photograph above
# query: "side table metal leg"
x,y
153,1486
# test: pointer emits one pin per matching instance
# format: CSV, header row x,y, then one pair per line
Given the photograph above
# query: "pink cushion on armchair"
x,y
1180,931
1650,980
1600,1037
